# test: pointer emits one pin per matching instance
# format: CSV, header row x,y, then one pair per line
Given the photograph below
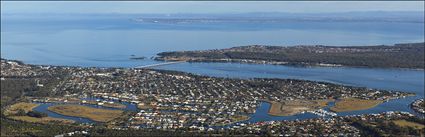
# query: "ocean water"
x,y
109,41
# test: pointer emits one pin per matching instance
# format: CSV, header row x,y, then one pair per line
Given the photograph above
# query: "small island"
x,y
407,55
134,57
138,58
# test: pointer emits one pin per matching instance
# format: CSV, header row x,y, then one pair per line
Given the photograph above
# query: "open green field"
x,y
353,104
96,114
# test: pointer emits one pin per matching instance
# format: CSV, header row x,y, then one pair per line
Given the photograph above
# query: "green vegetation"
x,y
96,114
410,55
13,89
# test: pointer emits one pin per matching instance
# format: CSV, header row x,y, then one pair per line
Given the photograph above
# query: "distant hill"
x,y
407,55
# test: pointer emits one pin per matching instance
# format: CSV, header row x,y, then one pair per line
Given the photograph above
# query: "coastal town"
x,y
169,100
403,55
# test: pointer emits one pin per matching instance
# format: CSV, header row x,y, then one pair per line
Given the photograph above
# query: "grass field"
x,y
353,104
292,107
41,120
13,109
404,123
96,114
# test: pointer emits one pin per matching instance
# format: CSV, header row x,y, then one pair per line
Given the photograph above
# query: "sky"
x,y
141,7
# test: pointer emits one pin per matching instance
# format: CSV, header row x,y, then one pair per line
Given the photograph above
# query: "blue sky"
x,y
207,7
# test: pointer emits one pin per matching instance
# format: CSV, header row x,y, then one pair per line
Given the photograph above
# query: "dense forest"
x,y
408,55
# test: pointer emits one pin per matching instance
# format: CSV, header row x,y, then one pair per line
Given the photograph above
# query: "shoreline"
x,y
401,55
289,64
194,74
417,106
239,62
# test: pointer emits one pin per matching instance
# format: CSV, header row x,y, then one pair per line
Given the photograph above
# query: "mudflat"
x,y
95,114
353,104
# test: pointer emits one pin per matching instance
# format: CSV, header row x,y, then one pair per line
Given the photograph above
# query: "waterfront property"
x,y
419,106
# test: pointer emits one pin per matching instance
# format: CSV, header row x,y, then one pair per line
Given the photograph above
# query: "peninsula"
x,y
407,55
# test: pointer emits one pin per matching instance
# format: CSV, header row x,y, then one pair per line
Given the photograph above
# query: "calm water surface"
x,y
109,41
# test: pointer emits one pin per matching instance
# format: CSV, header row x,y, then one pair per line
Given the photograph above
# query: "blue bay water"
x,y
109,41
